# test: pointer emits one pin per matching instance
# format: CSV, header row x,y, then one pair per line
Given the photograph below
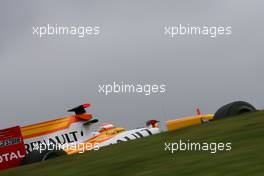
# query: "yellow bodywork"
x,y
90,143
188,121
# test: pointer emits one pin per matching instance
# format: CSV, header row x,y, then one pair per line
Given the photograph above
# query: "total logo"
x,y
10,156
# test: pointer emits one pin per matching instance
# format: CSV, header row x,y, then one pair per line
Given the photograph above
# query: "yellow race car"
x,y
79,133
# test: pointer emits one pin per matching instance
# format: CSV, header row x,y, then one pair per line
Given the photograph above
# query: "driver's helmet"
x,y
105,127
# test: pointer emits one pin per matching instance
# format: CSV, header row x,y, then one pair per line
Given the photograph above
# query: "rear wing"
x,y
12,148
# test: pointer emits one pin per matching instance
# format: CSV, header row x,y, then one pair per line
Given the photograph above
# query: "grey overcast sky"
x,y
41,78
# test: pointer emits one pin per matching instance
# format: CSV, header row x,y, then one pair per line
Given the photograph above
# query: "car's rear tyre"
x,y
37,156
233,109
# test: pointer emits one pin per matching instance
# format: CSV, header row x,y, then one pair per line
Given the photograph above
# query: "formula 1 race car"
x,y
76,134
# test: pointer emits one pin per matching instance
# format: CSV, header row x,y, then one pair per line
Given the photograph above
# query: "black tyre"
x,y
36,156
233,109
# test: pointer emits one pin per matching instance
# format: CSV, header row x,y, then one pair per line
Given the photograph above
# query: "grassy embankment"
x,y
147,156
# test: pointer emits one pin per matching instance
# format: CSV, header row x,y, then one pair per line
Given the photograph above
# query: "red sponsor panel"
x,y
12,148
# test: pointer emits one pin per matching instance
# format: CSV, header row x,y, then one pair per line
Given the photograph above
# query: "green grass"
x,y
147,156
